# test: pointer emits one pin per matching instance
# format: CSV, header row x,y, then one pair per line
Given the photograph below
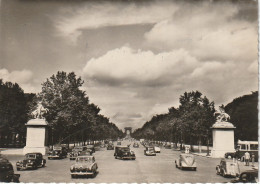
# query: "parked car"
x,y
58,152
149,151
110,146
228,167
124,152
136,145
84,166
76,151
31,161
249,176
157,149
7,171
90,148
186,160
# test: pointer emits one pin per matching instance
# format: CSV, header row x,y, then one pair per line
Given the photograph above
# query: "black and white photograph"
x,y
129,91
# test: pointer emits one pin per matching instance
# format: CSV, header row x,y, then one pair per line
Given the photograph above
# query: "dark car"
x,y
123,152
76,151
136,145
118,143
7,172
227,167
31,161
249,176
110,147
90,148
58,152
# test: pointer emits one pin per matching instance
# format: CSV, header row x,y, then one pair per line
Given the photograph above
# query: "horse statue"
x,y
39,111
221,116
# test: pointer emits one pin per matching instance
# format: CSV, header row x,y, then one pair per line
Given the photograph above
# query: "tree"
x,y
14,110
65,102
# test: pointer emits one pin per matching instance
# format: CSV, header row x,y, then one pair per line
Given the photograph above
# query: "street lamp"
x,y
207,143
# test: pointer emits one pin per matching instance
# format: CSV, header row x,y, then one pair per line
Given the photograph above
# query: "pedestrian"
x,y
247,157
253,159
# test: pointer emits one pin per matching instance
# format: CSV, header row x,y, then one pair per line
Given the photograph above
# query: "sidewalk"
x,y
11,151
201,154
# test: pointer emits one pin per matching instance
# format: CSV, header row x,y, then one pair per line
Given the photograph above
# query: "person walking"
x,y
247,157
253,159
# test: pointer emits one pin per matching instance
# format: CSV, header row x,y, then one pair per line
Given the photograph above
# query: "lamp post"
x,y
207,143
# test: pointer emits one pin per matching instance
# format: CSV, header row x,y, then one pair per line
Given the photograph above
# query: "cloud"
x,y
22,77
145,83
96,15
211,31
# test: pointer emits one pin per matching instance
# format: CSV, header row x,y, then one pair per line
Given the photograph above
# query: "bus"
x,y
242,147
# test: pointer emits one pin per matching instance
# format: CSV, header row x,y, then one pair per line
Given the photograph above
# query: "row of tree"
x,y
190,123
70,115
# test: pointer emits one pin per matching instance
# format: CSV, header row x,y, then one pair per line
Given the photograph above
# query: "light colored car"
x,y
227,167
84,166
149,151
157,149
186,160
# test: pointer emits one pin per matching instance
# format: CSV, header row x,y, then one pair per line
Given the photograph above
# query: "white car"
x,y
157,149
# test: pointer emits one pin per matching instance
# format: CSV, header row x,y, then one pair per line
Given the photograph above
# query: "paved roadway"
x,y
159,168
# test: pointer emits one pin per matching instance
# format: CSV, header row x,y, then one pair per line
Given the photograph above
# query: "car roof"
x,y
34,153
84,156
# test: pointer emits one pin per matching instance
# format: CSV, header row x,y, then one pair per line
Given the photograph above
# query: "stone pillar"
x,y
36,137
223,139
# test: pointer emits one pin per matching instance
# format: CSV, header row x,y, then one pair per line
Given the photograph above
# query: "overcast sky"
x,y
136,57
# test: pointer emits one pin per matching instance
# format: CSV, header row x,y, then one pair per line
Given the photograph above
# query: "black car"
x,y
110,147
249,176
76,151
136,145
123,152
7,172
31,161
58,152
91,148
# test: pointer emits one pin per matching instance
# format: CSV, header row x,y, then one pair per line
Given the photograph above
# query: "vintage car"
x,y
31,161
7,171
90,148
157,149
110,146
84,166
227,167
124,152
186,160
118,143
167,146
149,151
76,151
57,152
249,176
136,145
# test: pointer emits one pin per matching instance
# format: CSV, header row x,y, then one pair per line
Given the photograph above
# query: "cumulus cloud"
x,y
208,32
123,78
96,15
22,77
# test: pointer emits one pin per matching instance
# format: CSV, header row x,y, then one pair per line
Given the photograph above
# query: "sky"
x,y
136,56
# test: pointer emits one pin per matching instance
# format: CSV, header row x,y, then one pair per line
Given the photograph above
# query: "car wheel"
x,y
72,176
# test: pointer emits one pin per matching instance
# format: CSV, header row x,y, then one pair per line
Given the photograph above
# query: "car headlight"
x,y
29,161
72,168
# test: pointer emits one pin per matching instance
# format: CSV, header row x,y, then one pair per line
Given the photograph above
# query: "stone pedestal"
x,y
223,139
36,137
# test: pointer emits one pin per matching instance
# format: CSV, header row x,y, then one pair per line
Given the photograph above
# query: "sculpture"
x,y
39,111
221,115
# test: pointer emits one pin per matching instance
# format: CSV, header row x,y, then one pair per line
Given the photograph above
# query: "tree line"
x,y
190,123
70,115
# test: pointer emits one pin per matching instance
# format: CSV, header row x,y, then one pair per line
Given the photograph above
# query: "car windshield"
x,y
84,159
125,149
31,156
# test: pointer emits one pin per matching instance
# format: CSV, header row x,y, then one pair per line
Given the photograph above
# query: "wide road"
x,y
159,168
